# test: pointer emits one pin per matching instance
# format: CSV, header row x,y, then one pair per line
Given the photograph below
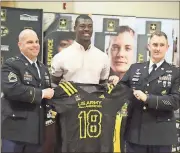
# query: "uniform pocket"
x,y
164,119
8,111
165,116
19,114
16,114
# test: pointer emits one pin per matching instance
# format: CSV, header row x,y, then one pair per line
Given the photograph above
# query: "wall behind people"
x,y
8,4
176,58
139,9
47,6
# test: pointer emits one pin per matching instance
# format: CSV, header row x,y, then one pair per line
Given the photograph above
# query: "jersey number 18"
x,y
90,124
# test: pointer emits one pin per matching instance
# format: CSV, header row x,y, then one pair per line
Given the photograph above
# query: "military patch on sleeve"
x,y
12,77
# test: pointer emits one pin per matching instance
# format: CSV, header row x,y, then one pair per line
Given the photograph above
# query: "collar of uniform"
x,y
30,61
81,47
158,64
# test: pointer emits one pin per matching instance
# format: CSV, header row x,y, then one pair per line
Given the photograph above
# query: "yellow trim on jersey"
x,y
68,88
110,88
71,86
117,134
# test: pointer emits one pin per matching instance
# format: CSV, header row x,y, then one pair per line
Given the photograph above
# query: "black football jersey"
x,y
85,112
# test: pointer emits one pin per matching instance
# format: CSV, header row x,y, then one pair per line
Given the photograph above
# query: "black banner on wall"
x,y
54,43
58,35
13,21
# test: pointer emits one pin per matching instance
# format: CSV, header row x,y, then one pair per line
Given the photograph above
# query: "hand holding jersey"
x,y
113,79
140,95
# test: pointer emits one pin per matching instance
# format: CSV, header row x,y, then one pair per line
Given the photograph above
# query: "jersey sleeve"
x,y
64,97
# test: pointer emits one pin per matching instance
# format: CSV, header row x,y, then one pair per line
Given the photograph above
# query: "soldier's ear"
x,y
19,44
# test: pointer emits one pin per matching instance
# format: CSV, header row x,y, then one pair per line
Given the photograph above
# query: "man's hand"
x,y
140,95
113,79
47,93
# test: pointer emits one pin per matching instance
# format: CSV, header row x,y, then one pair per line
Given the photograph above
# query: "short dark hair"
x,y
158,33
125,28
82,16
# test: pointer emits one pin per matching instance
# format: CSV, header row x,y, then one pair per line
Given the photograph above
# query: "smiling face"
x,y
29,44
158,46
122,52
84,29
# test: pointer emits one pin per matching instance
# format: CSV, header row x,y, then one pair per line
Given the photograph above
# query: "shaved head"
x,y
25,33
29,44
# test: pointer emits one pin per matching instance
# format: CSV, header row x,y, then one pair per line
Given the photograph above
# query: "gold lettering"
x,y
140,58
50,51
92,102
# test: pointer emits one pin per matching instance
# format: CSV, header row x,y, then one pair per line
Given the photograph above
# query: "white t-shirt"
x,y
77,65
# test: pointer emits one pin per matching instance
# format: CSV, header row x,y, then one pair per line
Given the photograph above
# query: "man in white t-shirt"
x,y
81,62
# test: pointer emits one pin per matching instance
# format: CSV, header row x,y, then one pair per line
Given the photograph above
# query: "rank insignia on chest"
x,y
165,78
27,76
164,83
135,79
